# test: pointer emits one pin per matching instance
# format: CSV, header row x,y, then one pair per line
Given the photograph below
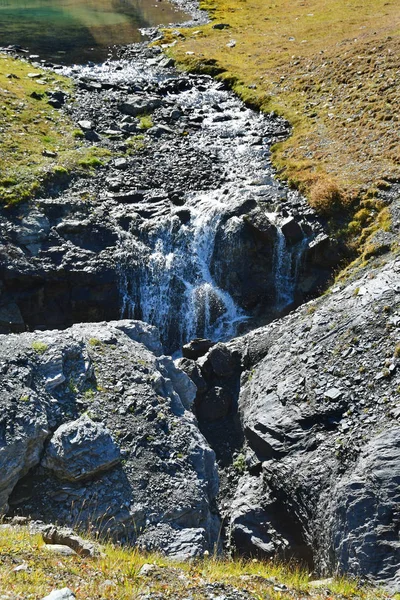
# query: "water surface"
x,y
76,31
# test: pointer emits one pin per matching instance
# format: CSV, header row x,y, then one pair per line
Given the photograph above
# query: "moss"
x,y
39,347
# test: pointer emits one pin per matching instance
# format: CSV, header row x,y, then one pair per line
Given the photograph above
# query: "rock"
x,y
121,163
138,105
196,348
11,319
216,404
159,130
222,361
81,449
33,228
49,153
191,369
62,594
125,458
324,486
86,125
60,549
220,26
67,538
147,569
292,230
363,516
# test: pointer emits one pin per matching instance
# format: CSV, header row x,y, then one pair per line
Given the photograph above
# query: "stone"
x,y
60,549
66,538
220,26
196,348
292,230
333,394
222,361
81,449
62,594
216,404
138,105
158,478
121,163
86,125
11,319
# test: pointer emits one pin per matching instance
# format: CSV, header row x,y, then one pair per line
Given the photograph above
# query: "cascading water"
x,y
168,282
168,273
287,262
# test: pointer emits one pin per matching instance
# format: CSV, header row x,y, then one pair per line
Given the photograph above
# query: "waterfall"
x,y
165,278
287,262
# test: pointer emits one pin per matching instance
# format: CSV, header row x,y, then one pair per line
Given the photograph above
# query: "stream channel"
x,y
186,227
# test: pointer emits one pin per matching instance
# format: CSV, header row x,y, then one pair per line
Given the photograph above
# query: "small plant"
x,y
397,351
95,343
72,387
89,394
39,347
239,464
24,398
325,196
145,122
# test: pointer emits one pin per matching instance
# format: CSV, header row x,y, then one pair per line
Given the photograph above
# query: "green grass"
x,y
115,575
29,127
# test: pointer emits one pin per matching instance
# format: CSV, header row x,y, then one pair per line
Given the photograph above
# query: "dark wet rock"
x,y
96,396
196,348
243,257
292,230
215,404
221,26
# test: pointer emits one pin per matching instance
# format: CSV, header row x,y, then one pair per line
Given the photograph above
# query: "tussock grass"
x,y
116,574
330,68
30,127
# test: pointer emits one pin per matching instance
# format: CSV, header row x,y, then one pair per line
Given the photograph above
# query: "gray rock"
x,y
138,105
62,594
364,514
81,449
312,411
168,475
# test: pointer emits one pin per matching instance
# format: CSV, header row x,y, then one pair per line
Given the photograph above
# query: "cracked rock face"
x,y
103,424
318,402
320,417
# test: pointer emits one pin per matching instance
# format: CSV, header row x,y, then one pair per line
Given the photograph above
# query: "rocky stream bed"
x,y
185,233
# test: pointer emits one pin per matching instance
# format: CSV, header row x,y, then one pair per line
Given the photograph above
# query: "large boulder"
x,y
80,450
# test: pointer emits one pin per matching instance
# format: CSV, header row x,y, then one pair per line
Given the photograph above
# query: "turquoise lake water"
x,y
75,31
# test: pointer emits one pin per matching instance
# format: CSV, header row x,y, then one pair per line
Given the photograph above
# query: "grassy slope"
x,y
330,68
29,126
115,576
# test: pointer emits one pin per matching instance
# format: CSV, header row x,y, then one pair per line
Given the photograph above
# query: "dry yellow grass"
x,y
329,67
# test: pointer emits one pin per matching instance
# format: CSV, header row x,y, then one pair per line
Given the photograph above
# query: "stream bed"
x,y
186,227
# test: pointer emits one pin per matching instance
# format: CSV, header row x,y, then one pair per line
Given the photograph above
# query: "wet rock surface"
x,y
104,427
175,227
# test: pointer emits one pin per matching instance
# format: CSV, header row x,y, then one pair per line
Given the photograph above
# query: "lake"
x,y
77,31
